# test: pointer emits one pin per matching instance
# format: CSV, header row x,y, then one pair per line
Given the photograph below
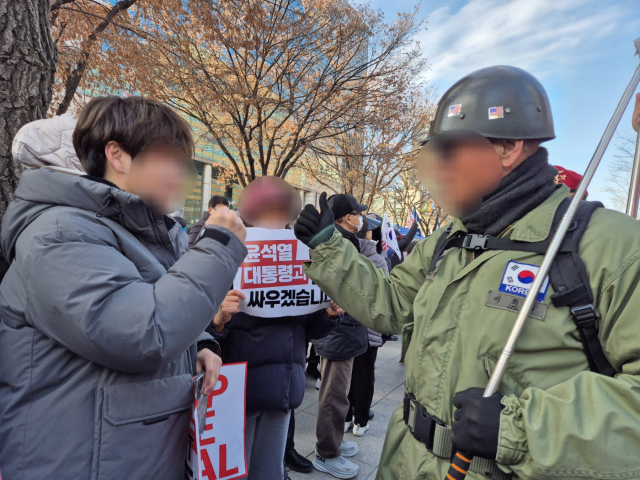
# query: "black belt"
x,y
423,426
436,436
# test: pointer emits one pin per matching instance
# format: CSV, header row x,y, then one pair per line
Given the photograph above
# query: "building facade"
x,y
211,182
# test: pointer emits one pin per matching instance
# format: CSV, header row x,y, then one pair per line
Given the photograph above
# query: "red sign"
x,y
272,263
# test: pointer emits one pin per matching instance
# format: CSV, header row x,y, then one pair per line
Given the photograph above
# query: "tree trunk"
x,y
27,67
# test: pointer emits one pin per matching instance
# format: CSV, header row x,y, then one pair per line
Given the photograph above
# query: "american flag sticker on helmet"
x,y
454,110
496,112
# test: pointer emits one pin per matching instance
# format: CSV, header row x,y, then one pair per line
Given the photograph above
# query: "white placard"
x,y
219,453
272,276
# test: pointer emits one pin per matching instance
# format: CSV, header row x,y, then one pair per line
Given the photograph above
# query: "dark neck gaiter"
x,y
521,191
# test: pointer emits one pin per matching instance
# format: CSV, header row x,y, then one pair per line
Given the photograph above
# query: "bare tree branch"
x,y
272,83
76,66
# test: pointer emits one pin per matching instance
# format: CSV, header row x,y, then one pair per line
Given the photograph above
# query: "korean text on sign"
x,y
272,276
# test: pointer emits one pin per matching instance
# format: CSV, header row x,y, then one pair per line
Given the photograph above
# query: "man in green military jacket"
x,y
552,418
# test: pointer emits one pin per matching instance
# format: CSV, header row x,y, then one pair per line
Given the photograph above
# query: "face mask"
x,y
359,226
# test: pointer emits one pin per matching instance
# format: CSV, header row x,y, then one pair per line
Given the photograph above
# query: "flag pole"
x,y
634,187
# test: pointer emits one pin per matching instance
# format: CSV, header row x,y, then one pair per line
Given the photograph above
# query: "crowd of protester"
x,y
109,308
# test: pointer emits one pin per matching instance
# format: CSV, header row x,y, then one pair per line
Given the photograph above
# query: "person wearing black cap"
x,y
347,213
363,375
337,351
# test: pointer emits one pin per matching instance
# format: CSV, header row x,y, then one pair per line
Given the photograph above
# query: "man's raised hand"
x,y
312,227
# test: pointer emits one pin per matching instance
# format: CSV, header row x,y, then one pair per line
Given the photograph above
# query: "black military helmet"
x,y
496,102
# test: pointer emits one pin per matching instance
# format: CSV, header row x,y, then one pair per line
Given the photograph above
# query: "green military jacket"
x,y
560,420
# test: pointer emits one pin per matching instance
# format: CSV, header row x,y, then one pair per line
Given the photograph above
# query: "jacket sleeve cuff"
x,y
237,250
324,250
218,336
512,441
322,236
211,344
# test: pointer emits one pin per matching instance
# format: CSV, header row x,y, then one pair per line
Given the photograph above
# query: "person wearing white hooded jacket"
x,y
101,319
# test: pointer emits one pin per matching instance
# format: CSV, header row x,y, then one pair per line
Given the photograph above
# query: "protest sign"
x,y
272,276
218,453
389,240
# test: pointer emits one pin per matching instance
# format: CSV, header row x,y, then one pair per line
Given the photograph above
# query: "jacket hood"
x,y
47,142
44,188
368,247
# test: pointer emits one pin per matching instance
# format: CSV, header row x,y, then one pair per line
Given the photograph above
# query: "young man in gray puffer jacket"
x,y
98,317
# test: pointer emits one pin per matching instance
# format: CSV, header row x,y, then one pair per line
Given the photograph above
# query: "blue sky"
x,y
581,51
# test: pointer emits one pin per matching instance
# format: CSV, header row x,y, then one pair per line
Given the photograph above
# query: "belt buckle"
x,y
420,423
425,433
411,414
433,421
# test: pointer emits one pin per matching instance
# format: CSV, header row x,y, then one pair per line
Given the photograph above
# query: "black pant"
x,y
292,429
313,362
363,379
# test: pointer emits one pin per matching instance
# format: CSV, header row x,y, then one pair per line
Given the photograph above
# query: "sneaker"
x,y
348,425
318,384
348,449
358,431
338,467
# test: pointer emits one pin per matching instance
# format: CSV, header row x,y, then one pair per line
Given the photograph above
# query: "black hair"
x,y
218,200
134,123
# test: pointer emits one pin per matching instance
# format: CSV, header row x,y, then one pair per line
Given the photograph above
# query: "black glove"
x,y
312,227
477,423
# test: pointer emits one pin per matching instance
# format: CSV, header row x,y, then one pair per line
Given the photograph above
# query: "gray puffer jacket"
x,y
368,249
98,323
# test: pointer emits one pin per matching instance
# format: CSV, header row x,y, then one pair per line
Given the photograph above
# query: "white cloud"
x,y
546,37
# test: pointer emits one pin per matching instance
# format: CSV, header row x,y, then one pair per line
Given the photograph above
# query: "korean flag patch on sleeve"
x,y
518,277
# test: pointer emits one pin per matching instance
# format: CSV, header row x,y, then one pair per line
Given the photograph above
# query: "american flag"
x,y
454,110
496,112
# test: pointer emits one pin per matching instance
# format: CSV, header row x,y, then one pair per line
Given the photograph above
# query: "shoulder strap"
x,y
568,275
570,281
439,249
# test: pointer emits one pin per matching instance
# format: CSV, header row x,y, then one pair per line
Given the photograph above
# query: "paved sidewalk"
x,y
389,392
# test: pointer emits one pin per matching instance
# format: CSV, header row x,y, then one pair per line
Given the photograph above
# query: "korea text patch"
x,y
518,277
